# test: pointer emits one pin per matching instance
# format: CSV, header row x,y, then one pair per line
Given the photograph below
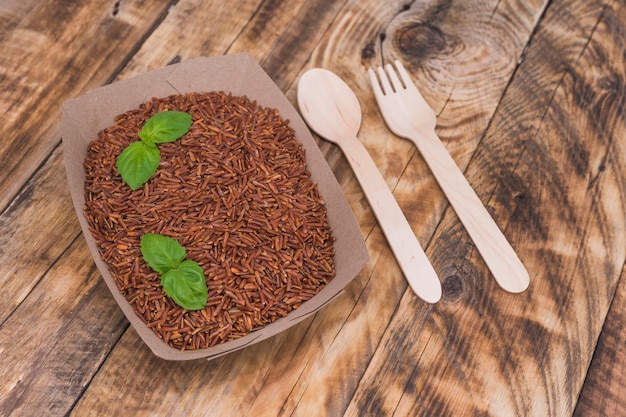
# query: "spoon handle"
x,y
497,252
416,267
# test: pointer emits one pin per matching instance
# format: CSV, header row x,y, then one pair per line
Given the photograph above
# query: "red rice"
x,y
236,193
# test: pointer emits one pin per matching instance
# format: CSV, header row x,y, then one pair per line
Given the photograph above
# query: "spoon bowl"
x,y
328,105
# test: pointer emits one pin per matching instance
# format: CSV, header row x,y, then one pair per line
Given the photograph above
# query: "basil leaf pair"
x,y
183,280
140,160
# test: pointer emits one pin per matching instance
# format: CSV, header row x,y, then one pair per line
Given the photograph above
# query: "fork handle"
x,y
413,262
498,254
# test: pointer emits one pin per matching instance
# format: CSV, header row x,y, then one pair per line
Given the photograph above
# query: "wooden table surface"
x,y
531,103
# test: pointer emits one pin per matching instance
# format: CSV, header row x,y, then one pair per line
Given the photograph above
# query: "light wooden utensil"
x,y
330,108
408,115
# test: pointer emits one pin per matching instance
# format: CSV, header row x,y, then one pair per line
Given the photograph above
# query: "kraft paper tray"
x,y
84,116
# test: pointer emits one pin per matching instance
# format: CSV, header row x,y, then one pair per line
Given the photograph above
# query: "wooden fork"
x,y
408,115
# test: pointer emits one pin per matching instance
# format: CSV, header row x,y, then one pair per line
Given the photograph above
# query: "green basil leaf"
x,y
137,163
162,253
186,285
165,126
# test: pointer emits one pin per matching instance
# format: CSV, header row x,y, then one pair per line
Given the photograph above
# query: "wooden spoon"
x,y
332,110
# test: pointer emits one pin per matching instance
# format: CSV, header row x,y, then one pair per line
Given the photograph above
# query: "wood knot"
x,y
453,287
174,60
421,40
368,52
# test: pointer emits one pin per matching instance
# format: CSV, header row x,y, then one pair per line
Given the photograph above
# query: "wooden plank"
x,y
225,386
12,13
303,24
53,51
97,397
559,192
36,393
219,29
415,188
191,29
282,375
603,392
32,380
50,345
27,249
337,345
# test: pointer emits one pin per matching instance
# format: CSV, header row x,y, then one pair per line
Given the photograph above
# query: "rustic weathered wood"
x,y
46,60
57,173
563,211
51,347
389,151
52,51
28,251
349,341
603,392
538,140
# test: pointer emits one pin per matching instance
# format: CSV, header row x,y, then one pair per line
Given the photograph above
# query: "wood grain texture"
x,y
58,348
603,392
25,252
52,51
408,343
283,397
551,330
530,103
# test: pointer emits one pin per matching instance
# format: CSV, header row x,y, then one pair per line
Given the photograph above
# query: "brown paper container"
x,y
83,117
